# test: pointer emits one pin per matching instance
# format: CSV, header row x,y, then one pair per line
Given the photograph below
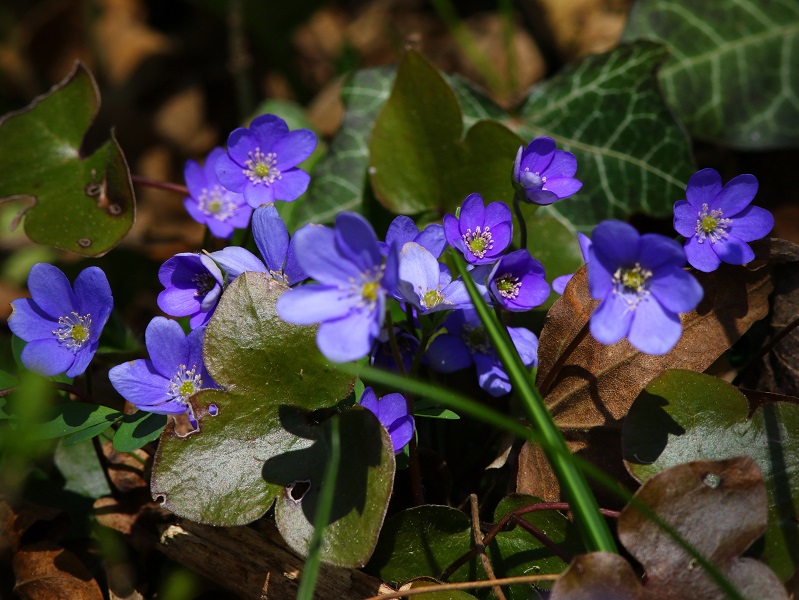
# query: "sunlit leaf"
x,y
632,155
732,75
421,159
83,203
684,416
138,429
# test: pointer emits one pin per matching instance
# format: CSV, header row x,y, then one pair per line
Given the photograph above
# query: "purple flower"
x,y
718,221
392,412
173,374
62,326
272,238
210,203
353,282
403,230
641,286
559,283
517,282
481,233
193,283
261,161
546,174
426,283
466,343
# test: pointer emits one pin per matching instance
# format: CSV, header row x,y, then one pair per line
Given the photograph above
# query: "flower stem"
x,y
517,209
160,185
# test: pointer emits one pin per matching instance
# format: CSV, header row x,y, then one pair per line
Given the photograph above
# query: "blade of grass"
x,y
310,571
467,406
593,529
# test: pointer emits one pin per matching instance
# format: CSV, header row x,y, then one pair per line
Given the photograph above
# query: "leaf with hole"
x,y
83,203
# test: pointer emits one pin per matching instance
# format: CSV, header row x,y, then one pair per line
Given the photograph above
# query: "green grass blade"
x,y
310,571
595,532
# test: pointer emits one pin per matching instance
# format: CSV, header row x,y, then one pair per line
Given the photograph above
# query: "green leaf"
x,y
684,416
81,469
339,180
732,75
86,434
419,158
632,155
363,485
138,429
83,203
272,373
72,417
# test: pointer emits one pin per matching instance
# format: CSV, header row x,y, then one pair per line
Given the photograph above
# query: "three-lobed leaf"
x,y
82,203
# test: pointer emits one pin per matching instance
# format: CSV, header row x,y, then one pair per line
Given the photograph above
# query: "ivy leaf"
x,y
632,155
82,203
683,416
138,429
732,75
419,158
339,180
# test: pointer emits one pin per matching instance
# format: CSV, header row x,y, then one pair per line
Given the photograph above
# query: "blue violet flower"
x,y
210,203
353,282
546,174
403,230
481,233
261,161
559,283
62,326
272,238
641,285
392,412
428,284
718,221
465,343
517,282
174,372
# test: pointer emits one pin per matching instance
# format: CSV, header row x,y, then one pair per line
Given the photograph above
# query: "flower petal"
x,y
685,218
240,144
563,165
490,375
751,224
320,257
235,260
616,244
432,238
194,176
349,338
82,359
291,185
526,344
676,290
654,330
611,319
28,322
452,232
402,230
50,289
472,214
559,283
736,195
47,357
733,250
538,154
357,241
94,298
701,255
139,383
230,174
401,432
658,250
257,194
268,130
369,401
166,344
293,148
293,272
311,304
448,353
391,408
419,269
702,188
541,197
562,187
271,236
178,302
209,168
496,213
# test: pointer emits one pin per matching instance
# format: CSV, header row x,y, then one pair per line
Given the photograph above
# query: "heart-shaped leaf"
x,y
82,203
683,416
732,74
419,158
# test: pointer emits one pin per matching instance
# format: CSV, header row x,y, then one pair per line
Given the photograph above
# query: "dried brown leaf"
x,y
598,576
46,570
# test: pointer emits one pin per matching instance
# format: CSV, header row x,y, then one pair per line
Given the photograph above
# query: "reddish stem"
x,y
160,185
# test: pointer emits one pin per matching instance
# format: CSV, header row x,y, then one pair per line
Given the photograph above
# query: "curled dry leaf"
x,y
590,388
719,507
46,570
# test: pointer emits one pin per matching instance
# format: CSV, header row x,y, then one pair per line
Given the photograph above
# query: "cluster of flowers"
x,y
639,279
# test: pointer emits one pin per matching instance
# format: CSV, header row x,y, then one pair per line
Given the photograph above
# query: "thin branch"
x,y
481,549
467,585
160,185
542,537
